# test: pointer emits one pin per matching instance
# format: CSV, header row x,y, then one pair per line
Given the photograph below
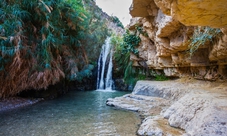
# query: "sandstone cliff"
x,y
174,29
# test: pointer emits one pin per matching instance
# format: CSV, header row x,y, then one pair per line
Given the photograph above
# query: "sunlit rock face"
x,y
188,12
170,25
139,8
200,12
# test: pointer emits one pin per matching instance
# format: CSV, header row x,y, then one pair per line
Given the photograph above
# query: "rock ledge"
x,y
178,107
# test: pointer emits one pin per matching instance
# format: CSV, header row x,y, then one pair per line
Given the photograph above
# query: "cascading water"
x,y
104,79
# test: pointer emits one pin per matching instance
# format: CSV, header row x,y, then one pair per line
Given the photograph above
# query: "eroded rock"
x,y
190,13
145,105
166,24
200,13
178,107
140,8
155,126
170,28
199,113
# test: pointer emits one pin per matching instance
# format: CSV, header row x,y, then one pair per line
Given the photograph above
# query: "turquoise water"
x,y
74,114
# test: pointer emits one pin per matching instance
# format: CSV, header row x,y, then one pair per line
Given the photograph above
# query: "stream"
x,y
78,113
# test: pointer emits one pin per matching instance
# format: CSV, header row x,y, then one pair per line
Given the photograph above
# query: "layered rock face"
x,y
170,26
178,108
189,13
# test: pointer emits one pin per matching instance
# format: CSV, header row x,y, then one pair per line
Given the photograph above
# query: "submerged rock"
x,y
179,107
16,102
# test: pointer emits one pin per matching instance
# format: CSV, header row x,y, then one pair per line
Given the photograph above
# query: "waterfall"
x,y
104,79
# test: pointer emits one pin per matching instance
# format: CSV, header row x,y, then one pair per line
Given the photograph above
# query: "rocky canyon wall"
x,y
172,26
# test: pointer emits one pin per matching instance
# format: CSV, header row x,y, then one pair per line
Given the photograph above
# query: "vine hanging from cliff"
x,y
123,65
130,41
124,46
201,36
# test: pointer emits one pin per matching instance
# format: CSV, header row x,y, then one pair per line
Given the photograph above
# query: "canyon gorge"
x,y
185,41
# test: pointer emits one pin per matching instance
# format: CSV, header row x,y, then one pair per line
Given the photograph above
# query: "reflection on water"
x,y
75,114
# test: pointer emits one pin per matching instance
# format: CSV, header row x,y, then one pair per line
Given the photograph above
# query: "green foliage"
x,y
124,46
97,31
130,41
117,21
123,64
133,74
201,36
121,58
85,72
161,77
48,24
141,31
40,29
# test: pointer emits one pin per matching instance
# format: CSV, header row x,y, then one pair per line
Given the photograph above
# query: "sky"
x,y
119,8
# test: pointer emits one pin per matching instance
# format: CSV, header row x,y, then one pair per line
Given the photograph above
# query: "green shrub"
x,y
141,31
124,46
161,77
201,36
130,41
117,21
123,64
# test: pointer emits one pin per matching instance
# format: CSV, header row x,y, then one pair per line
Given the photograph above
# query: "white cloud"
x,y
119,8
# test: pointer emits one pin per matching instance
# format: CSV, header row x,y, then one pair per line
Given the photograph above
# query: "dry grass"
x,y
20,75
36,52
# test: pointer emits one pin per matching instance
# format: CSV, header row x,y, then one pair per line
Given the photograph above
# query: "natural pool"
x,y
81,113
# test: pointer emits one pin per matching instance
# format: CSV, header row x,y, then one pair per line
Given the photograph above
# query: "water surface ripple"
x,y
75,114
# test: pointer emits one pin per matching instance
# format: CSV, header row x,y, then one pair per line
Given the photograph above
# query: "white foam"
x,y
106,90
